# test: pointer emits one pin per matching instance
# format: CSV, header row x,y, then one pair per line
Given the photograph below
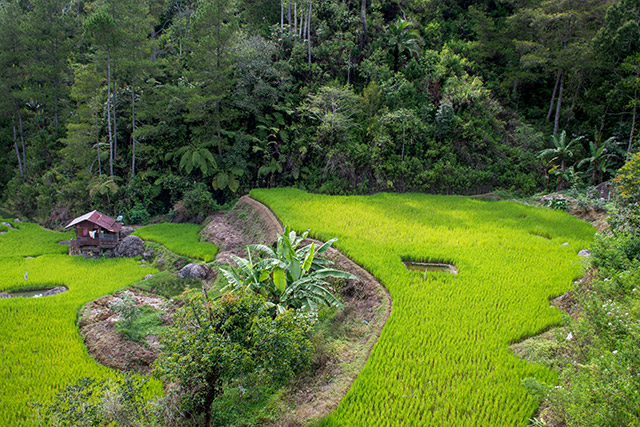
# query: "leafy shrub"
x,y
234,341
137,214
626,217
126,307
90,402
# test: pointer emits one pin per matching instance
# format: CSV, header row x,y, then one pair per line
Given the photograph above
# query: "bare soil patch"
x,y
97,328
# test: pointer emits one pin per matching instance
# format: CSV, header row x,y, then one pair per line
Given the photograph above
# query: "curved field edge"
x,y
40,348
182,239
443,356
322,395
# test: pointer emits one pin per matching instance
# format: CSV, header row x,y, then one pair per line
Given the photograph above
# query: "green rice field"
x,y
443,357
40,348
183,239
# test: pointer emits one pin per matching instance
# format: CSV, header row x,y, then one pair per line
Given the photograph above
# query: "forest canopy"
x,y
152,107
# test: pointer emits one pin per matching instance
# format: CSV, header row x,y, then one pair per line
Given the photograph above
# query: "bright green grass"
x,y
179,238
40,348
443,359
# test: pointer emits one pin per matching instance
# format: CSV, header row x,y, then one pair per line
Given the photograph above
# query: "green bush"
x,y
137,214
626,217
230,341
198,200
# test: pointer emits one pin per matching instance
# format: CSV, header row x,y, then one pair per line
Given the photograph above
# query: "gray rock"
x,y
148,255
148,276
125,231
55,291
130,246
4,295
8,225
193,271
584,253
2,232
17,220
566,244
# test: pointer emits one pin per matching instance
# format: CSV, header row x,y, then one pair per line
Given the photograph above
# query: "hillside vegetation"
x,y
146,108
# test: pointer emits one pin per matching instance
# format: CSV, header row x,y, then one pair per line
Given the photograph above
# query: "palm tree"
x,y
598,159
561,151
403,39
289,277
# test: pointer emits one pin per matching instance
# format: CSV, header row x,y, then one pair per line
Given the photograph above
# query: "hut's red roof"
x,y
98,219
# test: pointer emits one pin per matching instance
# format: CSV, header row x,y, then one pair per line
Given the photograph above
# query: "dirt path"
x,y
367,307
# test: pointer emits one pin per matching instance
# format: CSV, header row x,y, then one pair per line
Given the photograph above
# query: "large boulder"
x,y
126,231
130,246
194,271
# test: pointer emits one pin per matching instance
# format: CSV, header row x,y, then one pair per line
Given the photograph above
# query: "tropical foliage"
x,y
288,277
128,106
443,356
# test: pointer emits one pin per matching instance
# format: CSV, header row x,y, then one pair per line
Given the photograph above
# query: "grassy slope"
x,y
443,356
180,238
40,349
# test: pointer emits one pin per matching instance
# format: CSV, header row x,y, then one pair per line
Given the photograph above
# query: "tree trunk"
x,y
363,18
309,31
303,34
133,131
154,36
109,114
295,18
98,145
553,96
15,144
115,127
558,105
218,130
24,150
633,121
55,113
403,134
289,14
560,185
281,14
302,20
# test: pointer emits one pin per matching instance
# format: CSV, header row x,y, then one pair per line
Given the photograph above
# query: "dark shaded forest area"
x,y
151,107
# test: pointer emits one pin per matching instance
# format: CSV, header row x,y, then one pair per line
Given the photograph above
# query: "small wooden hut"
x,y
96,233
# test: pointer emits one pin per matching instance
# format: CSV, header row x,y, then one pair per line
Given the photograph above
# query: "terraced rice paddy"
x,y
182,239
40,349
442,358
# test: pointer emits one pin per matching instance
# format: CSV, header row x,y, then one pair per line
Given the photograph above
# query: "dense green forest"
x,y
151,107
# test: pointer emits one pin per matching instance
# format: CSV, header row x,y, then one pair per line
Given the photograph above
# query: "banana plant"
x,y
287,276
